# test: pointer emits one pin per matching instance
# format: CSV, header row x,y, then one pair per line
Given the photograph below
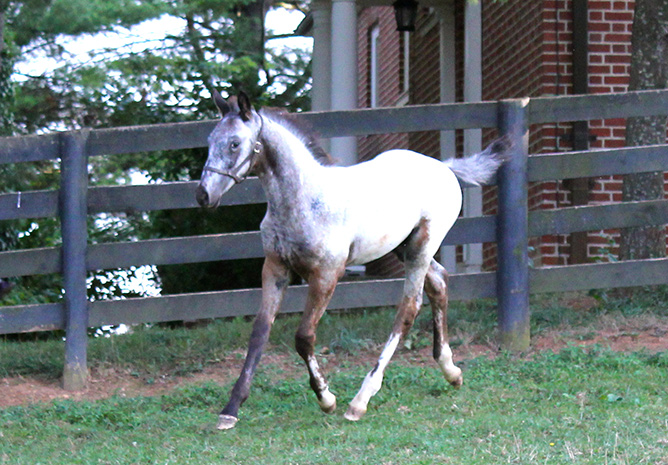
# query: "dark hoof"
x,y
458,382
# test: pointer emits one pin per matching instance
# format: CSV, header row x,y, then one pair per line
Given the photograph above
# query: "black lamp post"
x,y
405,12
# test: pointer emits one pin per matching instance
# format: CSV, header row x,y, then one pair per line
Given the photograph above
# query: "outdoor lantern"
x,y
405,12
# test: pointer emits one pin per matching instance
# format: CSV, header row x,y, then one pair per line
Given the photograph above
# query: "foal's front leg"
x,y
321,288
275,278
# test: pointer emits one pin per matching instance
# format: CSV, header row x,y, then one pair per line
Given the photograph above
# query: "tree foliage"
x,y
164,78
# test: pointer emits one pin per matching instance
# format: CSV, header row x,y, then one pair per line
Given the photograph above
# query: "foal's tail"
x,y
480,168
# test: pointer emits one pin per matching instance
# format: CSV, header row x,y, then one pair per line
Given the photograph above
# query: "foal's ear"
x,y
221,103
245,107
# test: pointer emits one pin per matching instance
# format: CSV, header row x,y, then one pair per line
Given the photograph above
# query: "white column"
x,y
447,65
321,93
321,97
344,73
472,137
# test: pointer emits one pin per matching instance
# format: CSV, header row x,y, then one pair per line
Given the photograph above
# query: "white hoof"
x,y
454,377
327,401
354,413
226,422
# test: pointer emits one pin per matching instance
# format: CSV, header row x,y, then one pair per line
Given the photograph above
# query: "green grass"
x,y
150,351
580,405
585,406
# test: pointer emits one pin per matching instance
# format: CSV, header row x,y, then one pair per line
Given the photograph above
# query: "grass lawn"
x,y
583,405
588,406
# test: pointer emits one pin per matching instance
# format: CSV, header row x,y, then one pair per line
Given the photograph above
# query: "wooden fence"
x,y
510,228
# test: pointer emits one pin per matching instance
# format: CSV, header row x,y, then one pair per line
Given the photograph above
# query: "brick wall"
x,y
536,37
389,93
610,26
512,62
526,52
425,77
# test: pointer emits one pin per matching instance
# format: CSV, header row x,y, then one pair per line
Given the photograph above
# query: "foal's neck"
x,y
288,170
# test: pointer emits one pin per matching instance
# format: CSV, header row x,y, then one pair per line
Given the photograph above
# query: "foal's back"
x,y
387,197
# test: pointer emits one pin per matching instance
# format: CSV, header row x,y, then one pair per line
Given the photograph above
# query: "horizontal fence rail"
x,y
441,117
597,106
348,295
234,246
593,163
175,195
237,246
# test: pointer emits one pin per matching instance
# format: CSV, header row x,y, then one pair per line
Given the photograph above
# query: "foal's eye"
x,y
234,144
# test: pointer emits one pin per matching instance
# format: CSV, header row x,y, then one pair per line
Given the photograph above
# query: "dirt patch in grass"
x,y
632,335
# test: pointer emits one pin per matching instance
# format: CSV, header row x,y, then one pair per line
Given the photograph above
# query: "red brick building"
x,y
524,48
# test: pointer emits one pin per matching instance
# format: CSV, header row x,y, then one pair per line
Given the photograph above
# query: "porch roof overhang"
x,y
305,28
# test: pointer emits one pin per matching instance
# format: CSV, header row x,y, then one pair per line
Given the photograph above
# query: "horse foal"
x,y
322,218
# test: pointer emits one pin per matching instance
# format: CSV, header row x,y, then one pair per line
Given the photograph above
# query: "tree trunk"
x,y
648,71
6,67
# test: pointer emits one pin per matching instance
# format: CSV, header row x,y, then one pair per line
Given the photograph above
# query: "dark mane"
x,y
302,130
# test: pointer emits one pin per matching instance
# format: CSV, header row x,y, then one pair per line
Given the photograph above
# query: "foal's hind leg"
x,y
320,291
407,311
436,286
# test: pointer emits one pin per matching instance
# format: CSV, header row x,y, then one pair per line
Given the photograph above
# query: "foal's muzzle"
x,y
202,196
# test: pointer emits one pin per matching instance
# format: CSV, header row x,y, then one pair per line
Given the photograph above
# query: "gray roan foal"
x,y
322,218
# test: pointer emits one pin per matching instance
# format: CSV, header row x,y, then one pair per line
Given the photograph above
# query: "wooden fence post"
x,y
73,209
513,229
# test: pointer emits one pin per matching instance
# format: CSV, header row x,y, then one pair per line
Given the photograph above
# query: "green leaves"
x,y
124,78
32,20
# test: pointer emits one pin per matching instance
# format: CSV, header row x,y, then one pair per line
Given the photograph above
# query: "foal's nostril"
x,y
202,196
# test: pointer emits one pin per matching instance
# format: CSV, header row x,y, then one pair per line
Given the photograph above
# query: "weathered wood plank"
x,y
194,249
29,318
327,124
167,196
191,249
150,137
150,197
29,148
170,251
173,136
349,295
598,106
597,217
358,294
28,262
599,276
236,246
472,231
594,163
31,204
412,118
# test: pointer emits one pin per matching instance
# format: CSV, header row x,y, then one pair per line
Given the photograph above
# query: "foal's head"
x,y
233,147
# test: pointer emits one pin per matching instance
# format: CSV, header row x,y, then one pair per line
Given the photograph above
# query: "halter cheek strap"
x,y
237,177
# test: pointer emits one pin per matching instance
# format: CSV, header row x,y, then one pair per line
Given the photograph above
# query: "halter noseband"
x,y
251,157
